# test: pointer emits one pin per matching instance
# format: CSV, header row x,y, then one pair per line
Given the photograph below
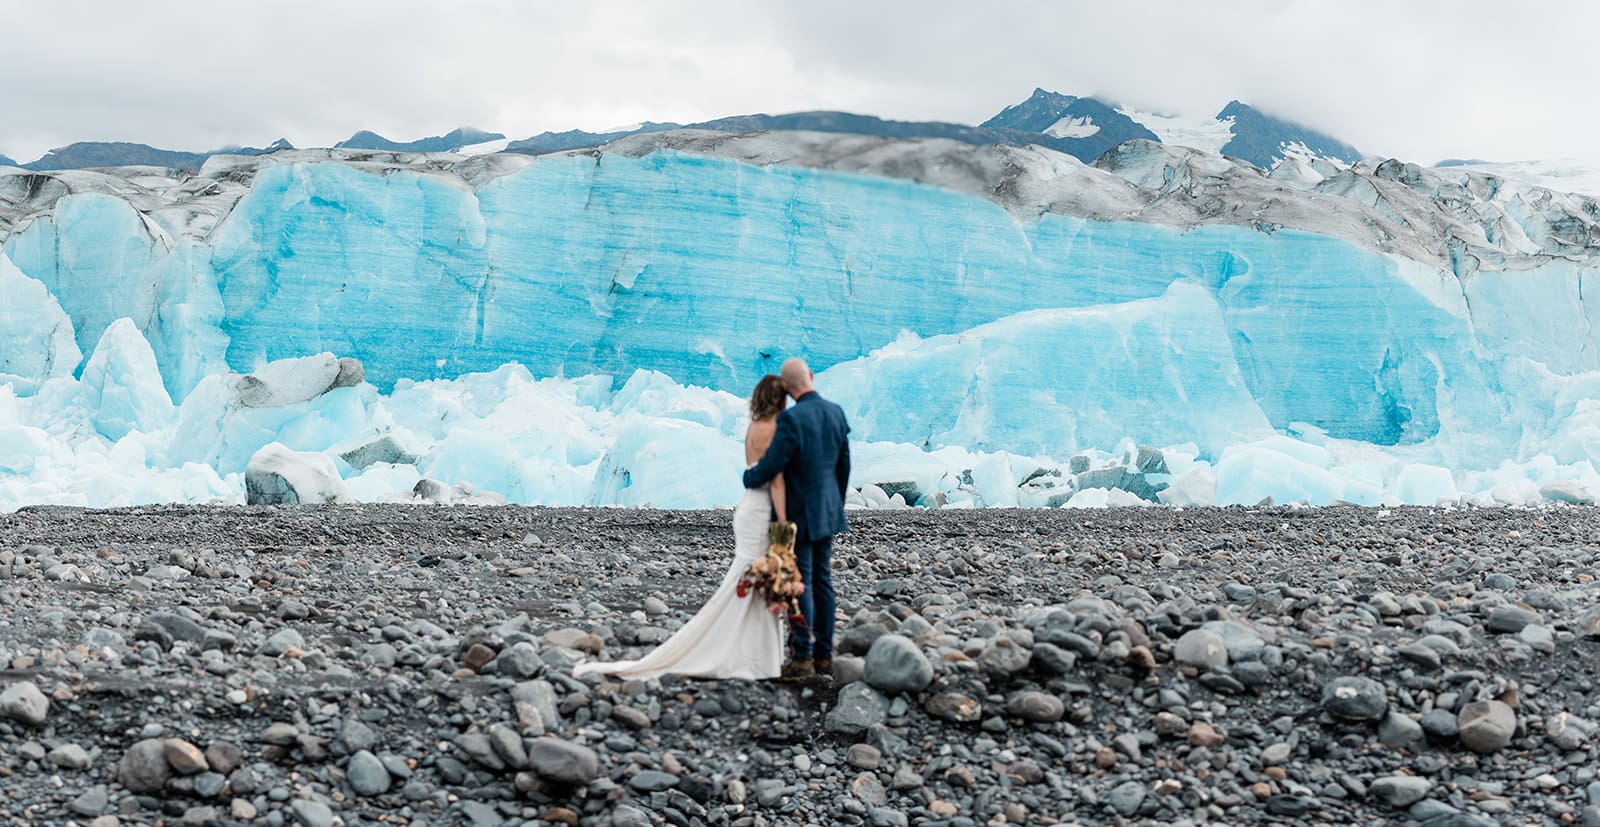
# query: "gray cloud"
x,y
1422,80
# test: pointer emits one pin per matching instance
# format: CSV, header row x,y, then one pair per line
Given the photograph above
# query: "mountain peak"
x,y
449,142
1263,139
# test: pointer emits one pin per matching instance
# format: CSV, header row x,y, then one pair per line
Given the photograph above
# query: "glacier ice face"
x,y
1056,381
984,313
36,339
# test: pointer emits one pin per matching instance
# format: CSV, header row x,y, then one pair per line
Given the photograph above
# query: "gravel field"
x,y
412,665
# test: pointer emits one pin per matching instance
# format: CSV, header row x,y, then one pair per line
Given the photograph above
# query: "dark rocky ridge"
x,y
293,665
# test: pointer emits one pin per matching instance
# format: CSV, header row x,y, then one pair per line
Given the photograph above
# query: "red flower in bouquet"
x,y
776,576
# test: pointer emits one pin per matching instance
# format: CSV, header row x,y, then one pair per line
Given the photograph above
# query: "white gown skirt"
x,y
731,636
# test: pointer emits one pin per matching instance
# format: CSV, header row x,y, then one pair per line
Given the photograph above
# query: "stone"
x,y
1355,699
477,656
184,757
895,664
1439,726
1399,791
652,781
1004,655
309,813
1035,707
22,701
562,762
1398,731
1051,659
519,661
537,708
1242,642
1126,797
1201,648
863,756
69,757
954,706
857,708
1486,726
209,784
91,803
367,775
869,790
1205,735
1509,619
282,642
224,756
1567,731
143,768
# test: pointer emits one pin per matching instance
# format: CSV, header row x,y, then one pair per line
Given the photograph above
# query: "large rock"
x,y
562,762
895,664
857,708
1355,699
1486,726
1400,790
366,774
1202,648
1242,642
276,475
24,702
143,768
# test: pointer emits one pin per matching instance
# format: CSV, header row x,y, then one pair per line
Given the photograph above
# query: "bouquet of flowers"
x,y
776,576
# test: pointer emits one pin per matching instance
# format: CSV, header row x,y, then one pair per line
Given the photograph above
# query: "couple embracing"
x,y
798,470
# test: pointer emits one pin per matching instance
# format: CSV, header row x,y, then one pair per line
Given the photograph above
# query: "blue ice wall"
x,y
713,271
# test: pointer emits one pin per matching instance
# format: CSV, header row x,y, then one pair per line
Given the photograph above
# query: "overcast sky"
x,y
1415,79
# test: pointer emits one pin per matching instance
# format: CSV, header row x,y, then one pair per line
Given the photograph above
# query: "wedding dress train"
x,y
731,636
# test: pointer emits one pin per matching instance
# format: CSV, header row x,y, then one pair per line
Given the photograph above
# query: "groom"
x,y
810,449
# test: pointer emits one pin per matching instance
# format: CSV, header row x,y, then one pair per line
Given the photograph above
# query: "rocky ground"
x,y
412,665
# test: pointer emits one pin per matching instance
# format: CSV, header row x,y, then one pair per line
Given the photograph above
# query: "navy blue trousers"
x,y
815,560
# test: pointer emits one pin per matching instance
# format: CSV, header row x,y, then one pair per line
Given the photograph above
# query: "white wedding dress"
x,y
731,636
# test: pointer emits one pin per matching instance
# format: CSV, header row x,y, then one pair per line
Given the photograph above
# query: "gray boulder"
x,y
896,664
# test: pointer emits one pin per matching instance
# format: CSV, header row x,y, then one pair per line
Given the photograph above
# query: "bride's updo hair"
x,y
768,399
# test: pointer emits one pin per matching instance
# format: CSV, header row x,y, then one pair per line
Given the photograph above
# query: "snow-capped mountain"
x,y
580,327
1239,130
1064,116
449,142
92,154
7,162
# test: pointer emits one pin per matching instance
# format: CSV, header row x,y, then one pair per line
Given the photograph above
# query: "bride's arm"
x,y
780,501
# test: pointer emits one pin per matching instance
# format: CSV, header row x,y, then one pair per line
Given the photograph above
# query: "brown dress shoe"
x,y
797,670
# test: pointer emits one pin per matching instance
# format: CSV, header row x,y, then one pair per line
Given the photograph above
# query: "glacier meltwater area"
x,y
1004,326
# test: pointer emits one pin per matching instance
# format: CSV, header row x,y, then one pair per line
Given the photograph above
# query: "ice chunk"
x,y
278,475
1421,484
122,385
287,381
36,339
670,463
1196,488
1281,469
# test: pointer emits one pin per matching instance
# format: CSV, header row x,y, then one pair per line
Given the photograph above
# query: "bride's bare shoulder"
x,y
761,430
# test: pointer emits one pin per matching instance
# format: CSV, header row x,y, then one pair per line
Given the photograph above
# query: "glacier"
x,y
1006,326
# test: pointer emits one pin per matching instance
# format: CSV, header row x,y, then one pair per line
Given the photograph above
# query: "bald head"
x,y
796,376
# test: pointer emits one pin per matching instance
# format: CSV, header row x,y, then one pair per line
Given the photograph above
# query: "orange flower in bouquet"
x,y
776,576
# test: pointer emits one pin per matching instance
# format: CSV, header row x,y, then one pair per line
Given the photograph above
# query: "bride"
x,y
731,636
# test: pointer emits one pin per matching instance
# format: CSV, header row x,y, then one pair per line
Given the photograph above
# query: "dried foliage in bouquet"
x,y
776,576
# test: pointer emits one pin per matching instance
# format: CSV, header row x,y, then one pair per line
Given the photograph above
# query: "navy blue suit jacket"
x,y
812,449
